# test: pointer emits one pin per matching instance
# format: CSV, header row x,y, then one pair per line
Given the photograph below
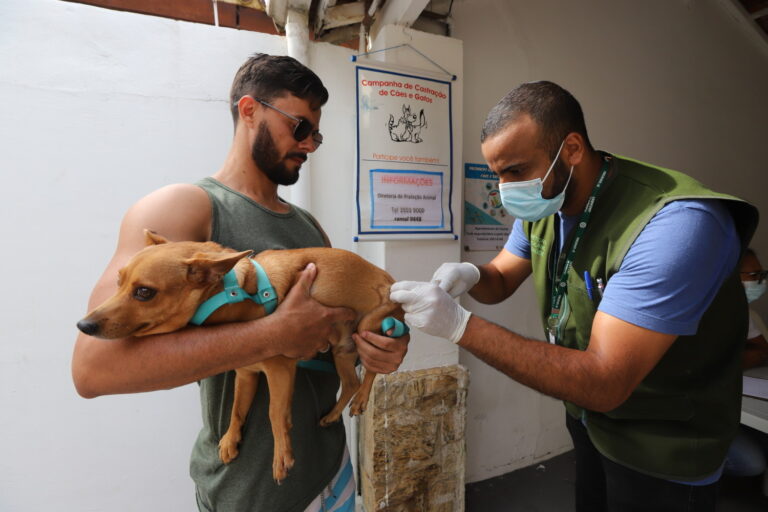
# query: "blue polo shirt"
x,y
672,271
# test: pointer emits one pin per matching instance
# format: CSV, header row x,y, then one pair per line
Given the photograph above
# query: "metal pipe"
x,y
297,36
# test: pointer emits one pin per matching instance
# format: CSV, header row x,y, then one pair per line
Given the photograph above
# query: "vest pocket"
x,y
581,313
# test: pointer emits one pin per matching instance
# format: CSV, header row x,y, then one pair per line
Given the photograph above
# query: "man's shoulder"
x,y
177,192
172,197
179,212
704,214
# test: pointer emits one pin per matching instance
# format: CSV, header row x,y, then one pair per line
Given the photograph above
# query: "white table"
x,y
754,408
754,413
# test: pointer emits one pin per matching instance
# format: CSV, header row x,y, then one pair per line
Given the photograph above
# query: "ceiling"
x,y
757,11
350,23
341,21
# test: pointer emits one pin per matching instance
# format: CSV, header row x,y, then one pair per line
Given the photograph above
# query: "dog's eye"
x,y
143,293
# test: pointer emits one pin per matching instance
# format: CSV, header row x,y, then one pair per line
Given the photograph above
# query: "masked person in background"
x,y
635,271
747,454
753,277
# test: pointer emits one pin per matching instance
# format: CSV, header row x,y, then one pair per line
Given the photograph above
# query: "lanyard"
x,y
560,285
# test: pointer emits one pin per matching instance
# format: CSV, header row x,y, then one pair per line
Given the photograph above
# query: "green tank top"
x,y
246,484
679,421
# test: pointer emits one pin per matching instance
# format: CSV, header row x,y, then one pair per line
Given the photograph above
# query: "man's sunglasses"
x,y
303,128
756,276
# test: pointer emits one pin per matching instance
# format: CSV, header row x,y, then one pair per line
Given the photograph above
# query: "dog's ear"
x,y
152,238
203,269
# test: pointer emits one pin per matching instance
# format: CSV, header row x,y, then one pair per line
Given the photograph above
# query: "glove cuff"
x,y
475,271
462,325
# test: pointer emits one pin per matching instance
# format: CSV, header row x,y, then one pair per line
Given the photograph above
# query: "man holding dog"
x,y
275,103
635,270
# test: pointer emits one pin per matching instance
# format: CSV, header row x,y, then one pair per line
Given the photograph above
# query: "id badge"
x,y
552,323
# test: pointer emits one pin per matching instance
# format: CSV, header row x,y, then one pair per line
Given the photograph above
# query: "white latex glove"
x,y
430,309
456,278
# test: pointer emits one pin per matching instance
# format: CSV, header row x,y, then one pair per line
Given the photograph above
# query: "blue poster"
x,y
486,223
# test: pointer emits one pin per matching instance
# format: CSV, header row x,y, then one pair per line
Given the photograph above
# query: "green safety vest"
x,y
679,422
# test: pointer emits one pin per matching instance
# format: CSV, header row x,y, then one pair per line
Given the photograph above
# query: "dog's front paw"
x,y
281,464
228,448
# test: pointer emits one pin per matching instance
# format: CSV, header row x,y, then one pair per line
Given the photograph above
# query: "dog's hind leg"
x,y
281,376
360,402
345,357
246,383
372,322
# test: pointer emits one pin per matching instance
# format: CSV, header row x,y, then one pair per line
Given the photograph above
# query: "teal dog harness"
x,y
233,293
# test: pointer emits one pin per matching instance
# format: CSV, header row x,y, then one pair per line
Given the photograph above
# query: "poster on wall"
x,y
486,223
404,156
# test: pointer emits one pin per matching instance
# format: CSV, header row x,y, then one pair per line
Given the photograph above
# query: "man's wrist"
x,y
274,335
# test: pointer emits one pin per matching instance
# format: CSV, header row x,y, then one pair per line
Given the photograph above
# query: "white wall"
x,y
100,107
678,83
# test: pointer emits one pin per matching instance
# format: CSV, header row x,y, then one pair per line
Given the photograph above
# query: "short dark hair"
x,y
273,76
553,108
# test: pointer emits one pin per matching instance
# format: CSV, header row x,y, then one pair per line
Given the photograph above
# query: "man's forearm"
x,y
491,288
164,361
563,373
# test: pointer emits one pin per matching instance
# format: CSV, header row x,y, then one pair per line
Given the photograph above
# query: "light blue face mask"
x,y
754,290
522,199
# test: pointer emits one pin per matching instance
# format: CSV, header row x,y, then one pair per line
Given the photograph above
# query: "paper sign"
x,y
409,199
405,165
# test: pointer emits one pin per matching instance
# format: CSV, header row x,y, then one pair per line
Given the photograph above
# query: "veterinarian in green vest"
x,y
635,270
275,102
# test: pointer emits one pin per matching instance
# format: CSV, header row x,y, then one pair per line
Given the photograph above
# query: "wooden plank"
x,y
231,13
344,14
251,4
350,33
200,11
322,6
245,18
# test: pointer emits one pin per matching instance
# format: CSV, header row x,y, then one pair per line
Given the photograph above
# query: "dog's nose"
x,y
88,327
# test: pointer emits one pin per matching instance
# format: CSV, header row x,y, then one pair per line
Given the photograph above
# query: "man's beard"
x,y
265,155
560,175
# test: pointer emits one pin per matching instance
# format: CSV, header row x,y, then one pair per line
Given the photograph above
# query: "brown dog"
x,y
163,285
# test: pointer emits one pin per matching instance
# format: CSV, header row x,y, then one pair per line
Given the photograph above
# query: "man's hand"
x,y
430,309
308,324
381,354
456,278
